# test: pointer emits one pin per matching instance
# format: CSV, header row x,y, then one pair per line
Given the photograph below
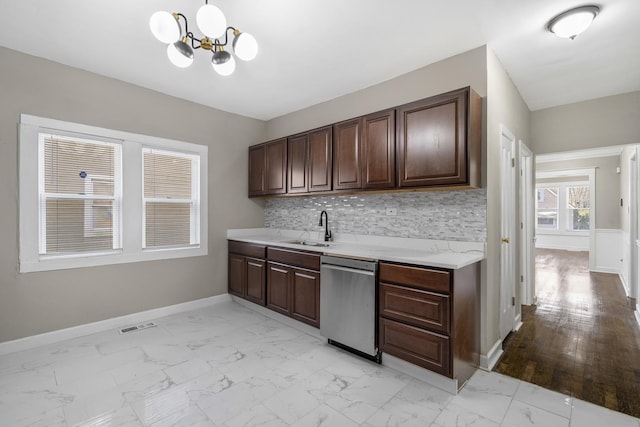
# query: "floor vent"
x,y
128,329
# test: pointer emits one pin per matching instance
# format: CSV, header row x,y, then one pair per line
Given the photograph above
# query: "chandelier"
x,y
212,23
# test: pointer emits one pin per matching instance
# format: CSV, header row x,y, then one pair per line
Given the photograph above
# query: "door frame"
x,y
527,225
633,224
508,233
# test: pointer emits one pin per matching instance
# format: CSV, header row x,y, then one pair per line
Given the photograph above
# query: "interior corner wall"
x,y
505,107
601,122
465,69
35,303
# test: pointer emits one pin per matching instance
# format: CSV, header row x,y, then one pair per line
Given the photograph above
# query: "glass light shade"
x,y
245,46
211,21
180,54
224,68
165,27
573,22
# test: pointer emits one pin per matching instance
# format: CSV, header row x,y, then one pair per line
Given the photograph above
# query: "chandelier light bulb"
x,y
573,22
165,27
245,46
180,54
225,68
211,21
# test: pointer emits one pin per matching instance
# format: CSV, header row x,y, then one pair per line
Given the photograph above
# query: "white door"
x,y
527,226
507,252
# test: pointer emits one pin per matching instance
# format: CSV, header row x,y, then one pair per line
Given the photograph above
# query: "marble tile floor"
x,y
226,365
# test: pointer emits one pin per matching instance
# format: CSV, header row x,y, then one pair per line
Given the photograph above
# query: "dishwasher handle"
x,y
348,270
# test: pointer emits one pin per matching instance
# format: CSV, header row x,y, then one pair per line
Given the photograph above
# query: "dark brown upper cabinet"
x,y
268,168
378,165
364,152
438,140
346,154
434,142
310,161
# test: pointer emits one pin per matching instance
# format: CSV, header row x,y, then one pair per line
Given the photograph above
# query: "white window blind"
x,y
80,195
171,199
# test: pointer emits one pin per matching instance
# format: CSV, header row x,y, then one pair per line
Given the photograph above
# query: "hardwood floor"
x,y
581,338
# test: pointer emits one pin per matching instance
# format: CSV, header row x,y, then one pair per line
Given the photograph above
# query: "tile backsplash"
x,y
443,215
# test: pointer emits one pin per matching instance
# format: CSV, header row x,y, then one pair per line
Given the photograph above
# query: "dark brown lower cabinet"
x,y
247,271
293,284
279,288
430,317
305,296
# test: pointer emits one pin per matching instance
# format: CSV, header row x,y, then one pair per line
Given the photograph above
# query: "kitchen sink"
x,y
308,243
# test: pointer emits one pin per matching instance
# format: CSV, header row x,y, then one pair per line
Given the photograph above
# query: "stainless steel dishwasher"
x,y
348,304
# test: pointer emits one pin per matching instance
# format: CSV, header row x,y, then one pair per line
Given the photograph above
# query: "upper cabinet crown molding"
x,y
431,143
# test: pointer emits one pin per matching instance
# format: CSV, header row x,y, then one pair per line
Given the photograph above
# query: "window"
x,y
563,207
578,207
170,199
547,208
80,195
92,196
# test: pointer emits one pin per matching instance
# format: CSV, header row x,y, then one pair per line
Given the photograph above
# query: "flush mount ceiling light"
x,y
573,22
212,23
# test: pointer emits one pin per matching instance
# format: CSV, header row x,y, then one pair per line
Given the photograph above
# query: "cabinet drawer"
x,y
416,307
292,257
415,345
423,278
247,249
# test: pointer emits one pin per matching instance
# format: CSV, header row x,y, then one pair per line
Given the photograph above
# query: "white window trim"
x,y
29,219
563,209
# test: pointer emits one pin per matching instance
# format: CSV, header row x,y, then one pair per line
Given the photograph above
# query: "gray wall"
x,y
466,69
607,202
613,120
34,303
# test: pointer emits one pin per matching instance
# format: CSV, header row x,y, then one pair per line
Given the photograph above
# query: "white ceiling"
x,y
315,50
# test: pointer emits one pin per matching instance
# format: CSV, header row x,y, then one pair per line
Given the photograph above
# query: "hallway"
x,y
581,338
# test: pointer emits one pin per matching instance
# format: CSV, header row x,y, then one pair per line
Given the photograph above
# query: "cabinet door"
x,y
378,150
305,289
278,279
415,345
256,280
276,164
432,141
320,159
297,180
346,155
257,163
237,277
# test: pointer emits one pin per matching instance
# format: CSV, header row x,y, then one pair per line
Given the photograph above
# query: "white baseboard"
x,y
302,327
637,313
488,361
518,323
624,285
103,325
601,269
447,384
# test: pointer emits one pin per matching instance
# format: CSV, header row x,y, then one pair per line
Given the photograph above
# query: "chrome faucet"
x,y
327,232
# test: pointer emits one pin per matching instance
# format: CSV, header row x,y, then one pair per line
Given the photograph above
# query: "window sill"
x,y
94,260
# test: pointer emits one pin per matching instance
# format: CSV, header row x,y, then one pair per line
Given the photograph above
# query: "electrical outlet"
x,y
392,211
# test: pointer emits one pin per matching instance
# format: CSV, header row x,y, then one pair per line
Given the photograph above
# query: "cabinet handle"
x,y
505,240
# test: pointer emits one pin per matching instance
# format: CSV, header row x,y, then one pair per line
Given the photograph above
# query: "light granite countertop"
x,y
432,253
